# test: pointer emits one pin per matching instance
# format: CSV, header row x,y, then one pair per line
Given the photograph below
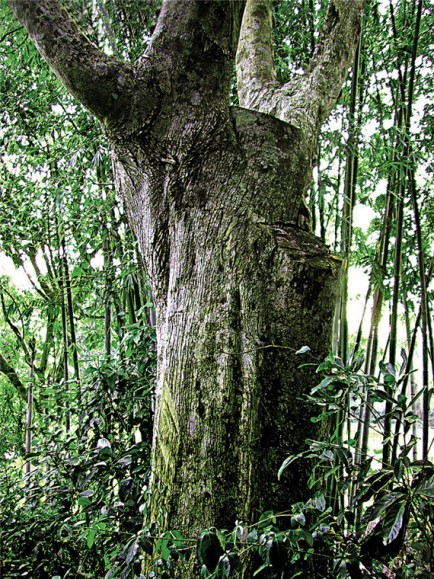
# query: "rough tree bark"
x,y
215,196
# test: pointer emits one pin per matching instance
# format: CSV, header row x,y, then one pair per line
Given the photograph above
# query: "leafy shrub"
x,y
79,510
362,520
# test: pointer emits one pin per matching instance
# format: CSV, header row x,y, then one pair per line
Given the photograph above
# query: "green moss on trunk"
x,y
241,287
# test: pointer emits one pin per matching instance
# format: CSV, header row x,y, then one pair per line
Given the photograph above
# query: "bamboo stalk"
x,y
65,342
70,309
108,290
29,415
410,181
349,202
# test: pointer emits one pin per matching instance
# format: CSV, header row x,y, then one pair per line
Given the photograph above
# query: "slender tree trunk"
x,y
65,342
405,180
408,390
317,203
108,292
349,202
29,416
397,268
70,311
420,250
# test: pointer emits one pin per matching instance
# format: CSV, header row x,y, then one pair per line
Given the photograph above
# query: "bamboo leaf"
x,y
286,463
261,568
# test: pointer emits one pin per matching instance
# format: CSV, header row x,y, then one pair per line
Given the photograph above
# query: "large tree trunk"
x,y
240,284
216,198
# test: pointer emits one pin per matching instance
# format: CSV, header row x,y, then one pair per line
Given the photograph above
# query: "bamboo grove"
x,y
77,326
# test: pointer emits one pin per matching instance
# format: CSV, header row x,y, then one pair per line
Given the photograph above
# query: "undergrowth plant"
x,y
75,513
363,519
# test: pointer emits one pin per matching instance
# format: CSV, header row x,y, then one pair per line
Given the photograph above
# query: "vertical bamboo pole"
x,y
29,414
107,294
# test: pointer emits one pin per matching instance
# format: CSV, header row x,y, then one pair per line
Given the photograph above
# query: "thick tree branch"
x,y
193,46
305,101
95,79
333,55
196,40
255,55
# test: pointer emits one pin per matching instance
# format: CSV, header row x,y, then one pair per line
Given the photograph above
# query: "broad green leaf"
x,y
84,501
323,384
393,524
426,488
91,537
209,550
320,502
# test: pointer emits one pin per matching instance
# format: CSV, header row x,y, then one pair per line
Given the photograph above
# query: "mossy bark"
x,y
240,284
216,198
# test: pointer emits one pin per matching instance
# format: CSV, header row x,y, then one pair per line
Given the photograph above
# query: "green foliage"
x,y
120,27
80,322
80,507
296,26
362,520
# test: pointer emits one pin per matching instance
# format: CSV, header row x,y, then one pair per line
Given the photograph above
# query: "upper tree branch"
x,y
255,56
195,41
97,80
193,45
334,54
305,101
